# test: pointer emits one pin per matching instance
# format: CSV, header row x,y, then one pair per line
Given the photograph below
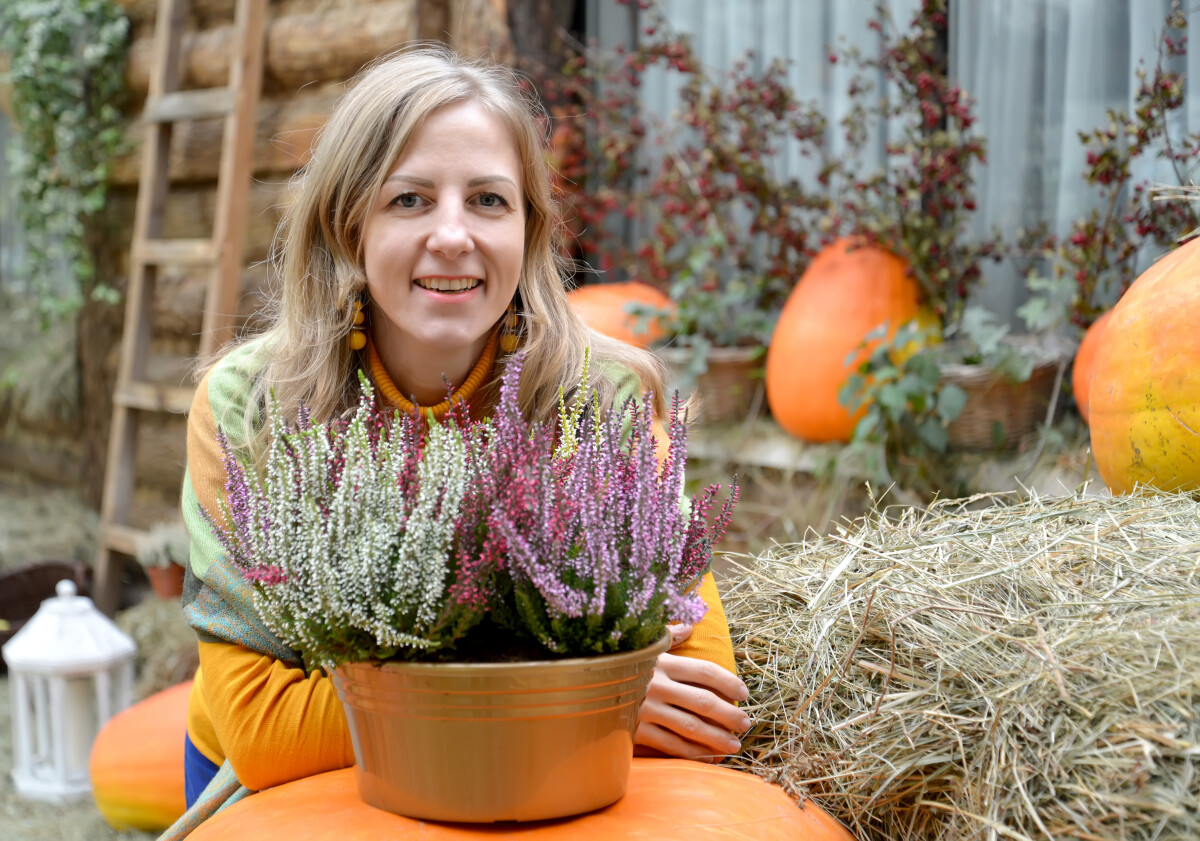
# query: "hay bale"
x,y
1025,670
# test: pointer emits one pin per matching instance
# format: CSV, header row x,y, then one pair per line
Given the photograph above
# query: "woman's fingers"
x,y
703,674
694,702
703,734
685,713
679,633
658,741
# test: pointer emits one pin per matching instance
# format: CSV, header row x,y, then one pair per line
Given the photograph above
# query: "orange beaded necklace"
x,y
387,388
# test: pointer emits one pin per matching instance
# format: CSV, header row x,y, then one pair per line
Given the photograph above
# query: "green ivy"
x,y
67,70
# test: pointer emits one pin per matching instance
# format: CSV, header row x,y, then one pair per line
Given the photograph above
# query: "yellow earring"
x,y
358,336
510,330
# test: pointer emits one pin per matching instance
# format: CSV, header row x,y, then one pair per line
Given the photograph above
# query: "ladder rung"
x,y
120,538
189,105
154,397
187,252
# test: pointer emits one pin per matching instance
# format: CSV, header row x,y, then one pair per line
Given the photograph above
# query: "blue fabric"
x,y
198,771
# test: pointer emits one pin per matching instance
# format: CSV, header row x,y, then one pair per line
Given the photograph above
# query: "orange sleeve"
x,y
275,723
710,639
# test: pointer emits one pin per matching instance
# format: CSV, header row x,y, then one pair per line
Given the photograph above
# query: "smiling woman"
x,y
443,248
419,249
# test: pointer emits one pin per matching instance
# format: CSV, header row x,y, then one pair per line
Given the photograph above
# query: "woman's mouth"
x,y
448,284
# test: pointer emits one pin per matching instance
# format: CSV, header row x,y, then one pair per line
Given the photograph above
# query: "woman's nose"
x,y
451,236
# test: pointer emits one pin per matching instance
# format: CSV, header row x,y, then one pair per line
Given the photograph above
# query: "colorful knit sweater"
x,y
253,709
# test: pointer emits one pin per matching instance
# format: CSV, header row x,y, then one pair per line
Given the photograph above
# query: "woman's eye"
x,y
491,200
407,200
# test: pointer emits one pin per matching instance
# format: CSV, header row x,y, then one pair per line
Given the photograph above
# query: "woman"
x,y
419,248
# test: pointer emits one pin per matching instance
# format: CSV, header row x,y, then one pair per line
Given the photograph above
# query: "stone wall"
x,y
312,48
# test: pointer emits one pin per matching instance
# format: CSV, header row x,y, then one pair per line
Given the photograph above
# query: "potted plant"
x,y
491,596
162,551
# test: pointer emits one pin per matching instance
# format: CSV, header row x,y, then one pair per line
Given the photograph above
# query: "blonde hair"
x,y
317,258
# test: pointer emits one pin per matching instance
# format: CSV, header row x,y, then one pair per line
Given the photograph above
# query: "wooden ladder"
x,y
136,393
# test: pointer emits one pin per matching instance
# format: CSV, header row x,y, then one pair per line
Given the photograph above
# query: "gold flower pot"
x,y
481,742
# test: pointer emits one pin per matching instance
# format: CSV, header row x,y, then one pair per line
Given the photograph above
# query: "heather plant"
x,y
597,552
348,536
379,537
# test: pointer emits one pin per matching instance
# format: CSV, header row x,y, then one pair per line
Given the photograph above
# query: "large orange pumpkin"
x,y
1145,392
847,292
1085,357
667,799
602,307
136,764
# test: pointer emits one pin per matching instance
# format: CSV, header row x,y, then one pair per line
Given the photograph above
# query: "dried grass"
x,y
989,668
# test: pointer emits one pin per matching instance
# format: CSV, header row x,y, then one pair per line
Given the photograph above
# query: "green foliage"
x,y
908,407
979,337
1051,303
714,306
67,65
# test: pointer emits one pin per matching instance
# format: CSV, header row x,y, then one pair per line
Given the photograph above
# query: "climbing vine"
x,y
66,67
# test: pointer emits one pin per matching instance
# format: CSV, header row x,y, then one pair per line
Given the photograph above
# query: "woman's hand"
x,y
689,709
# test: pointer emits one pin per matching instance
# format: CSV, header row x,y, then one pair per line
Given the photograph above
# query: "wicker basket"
x,y
22,591
730,390
999,413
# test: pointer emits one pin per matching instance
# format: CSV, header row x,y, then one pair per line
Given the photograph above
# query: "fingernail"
x,y
744,724
745,693
733,746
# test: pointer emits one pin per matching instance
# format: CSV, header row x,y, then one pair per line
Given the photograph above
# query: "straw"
x,y
988,668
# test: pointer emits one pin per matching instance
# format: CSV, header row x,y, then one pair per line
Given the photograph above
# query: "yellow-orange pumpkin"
x,y
847,292
666,799
136,764
602,307
1085,357
1145,393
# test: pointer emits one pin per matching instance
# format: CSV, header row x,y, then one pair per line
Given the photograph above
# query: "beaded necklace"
x,y
387,388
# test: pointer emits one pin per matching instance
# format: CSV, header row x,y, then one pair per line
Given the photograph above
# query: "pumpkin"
x,y
848,290
666,799
602,307
1081,372
1144,402
136,764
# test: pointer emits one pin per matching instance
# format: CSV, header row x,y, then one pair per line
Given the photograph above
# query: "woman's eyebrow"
x,y
491,179
409,179
474,182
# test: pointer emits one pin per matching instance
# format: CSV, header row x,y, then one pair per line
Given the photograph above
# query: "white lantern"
x,y
70,669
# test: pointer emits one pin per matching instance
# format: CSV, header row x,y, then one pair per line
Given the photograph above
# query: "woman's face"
x,y
444,242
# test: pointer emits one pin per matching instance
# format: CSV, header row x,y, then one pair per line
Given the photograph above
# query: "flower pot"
x,y
480,742
999,413
166,581
727,390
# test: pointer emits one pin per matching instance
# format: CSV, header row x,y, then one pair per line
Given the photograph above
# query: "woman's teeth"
x,y
446,284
